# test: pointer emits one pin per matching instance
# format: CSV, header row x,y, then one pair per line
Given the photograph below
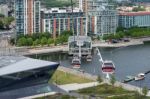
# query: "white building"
x,y
57,20
103,17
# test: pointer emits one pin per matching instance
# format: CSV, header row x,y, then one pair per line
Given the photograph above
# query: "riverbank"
x,y
64,48
94,77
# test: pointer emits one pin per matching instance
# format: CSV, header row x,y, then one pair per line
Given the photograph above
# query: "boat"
x,y
140,76
89,58
108,67
128,79
76,62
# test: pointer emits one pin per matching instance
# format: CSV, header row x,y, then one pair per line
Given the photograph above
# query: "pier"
x,y
132,78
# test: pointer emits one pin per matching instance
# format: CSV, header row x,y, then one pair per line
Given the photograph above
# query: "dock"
x,y
131,78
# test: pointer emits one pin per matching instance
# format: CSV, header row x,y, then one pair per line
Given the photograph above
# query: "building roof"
x,y
79,38
61,10
14,64
134,13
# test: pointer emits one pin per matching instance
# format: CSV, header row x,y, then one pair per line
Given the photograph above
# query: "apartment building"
x,y
27,14
57,20
131,19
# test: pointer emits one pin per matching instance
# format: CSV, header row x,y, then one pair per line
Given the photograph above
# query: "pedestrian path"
x,y
76,86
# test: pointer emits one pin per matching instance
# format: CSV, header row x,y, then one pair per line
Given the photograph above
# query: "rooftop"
x,y
60,10
134,13
13,64
79,38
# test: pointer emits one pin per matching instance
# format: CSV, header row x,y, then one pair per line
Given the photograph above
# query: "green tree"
x,y
29,41
145,90
36,42
112,80
120,28
22,41
50,41
139,8
43,41
7,21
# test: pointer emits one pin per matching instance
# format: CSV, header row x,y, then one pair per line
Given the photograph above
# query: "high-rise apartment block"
x,y
132,19
82,5
57,20
140,1
27,13
103,17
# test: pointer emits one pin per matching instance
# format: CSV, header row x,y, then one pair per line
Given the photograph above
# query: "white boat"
x,y
76,62
140,76
89,58
108,67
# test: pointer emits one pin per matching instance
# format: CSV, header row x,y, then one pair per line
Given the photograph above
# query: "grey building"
x,y
132,19
103,17
27,14
57,20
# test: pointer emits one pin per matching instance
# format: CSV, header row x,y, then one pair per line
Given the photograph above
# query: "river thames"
x,y
129,61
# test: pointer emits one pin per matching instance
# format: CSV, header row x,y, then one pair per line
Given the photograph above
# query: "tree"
x,y
7,21
43,41
145,90
112,80
50,41
29,41
120,28
99,79
22,41
36,42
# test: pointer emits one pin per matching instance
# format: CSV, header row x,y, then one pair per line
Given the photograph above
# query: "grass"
x,y
57,96
104,89
134,96
61,77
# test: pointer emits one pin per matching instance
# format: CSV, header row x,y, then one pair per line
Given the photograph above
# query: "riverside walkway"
x,y
94,77
64,48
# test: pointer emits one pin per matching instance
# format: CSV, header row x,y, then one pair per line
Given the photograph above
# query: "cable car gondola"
x,y
108,67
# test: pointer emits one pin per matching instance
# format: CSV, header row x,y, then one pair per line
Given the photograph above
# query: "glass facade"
x,y
140,1
64,22
27,16
19,8
37,16
27,78
127,21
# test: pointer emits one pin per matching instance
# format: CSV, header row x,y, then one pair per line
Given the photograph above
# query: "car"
x,y
114,41
126,40
92,95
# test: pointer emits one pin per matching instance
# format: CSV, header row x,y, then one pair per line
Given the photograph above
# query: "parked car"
x,y
126,40
114,41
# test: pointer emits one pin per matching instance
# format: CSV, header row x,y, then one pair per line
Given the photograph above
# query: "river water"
x,y
129,61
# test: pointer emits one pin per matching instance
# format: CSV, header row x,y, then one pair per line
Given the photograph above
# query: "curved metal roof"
x,y
14,64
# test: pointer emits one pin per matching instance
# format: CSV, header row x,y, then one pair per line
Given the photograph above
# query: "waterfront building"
x,y
18,72
27,14
84,42
140,1
57,20
102,17
132,19
82,5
